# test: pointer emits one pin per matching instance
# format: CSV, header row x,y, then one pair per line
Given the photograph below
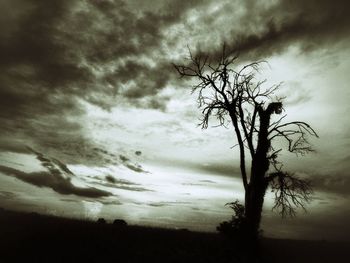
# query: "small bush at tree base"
x,y
237,226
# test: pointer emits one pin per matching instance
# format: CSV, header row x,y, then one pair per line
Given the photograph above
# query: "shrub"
x,y
101,221
120,222
237,225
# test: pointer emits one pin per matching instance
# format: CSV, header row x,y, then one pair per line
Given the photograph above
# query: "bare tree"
x,y
236,97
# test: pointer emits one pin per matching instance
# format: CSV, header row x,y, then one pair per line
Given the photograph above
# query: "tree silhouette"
x,y
235,97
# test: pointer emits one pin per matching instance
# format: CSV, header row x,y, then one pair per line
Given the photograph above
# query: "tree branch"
x,y
291,192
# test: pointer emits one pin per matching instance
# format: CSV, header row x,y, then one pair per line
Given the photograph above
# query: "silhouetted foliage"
x,y
101,221
235,97
236,227
120,223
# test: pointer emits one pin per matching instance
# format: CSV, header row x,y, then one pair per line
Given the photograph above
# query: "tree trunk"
x,y
254,200
255,192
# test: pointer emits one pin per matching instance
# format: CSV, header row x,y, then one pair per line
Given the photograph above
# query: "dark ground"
x,y
26,237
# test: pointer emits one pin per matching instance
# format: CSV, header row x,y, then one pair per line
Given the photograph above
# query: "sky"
x,y
95,122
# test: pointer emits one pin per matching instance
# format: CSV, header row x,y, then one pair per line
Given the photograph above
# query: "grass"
x,y
28,237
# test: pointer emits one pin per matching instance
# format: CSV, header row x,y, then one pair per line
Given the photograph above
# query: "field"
x,y
29,237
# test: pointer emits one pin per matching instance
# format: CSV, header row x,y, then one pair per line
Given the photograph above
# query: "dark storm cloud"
x,y
57,177
146,79
313,24
37,74
55,181
44,48
53,165
36,69
51,51
54,53
132,31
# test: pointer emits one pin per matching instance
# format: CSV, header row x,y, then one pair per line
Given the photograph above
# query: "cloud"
x,y
221,169
162,204
333,183
207,181
215,168
57,177
116,181
53,165
123,184
112,202
55,55
118,53
120,56
269,28
135,167
43,53
54,181
124,158
132,166
70,200
110,179
7,195
129,188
